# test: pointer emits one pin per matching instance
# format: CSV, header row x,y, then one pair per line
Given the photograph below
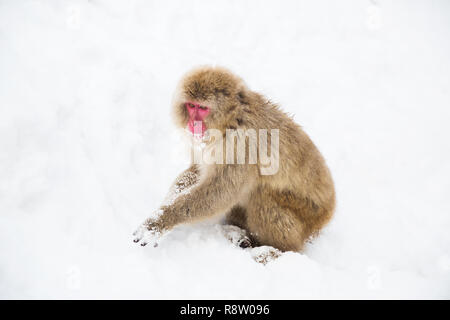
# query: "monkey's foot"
x,y
237,236
265,254
147,234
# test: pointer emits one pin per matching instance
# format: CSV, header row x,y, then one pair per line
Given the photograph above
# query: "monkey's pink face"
x,y
197,114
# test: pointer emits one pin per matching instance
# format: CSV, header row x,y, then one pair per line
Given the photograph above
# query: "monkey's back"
x,y
303,184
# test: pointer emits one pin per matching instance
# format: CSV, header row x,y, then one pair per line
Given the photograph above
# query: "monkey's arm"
x,y
184,181
216,193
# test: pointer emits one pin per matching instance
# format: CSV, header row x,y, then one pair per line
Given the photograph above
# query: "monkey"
x,y
284,209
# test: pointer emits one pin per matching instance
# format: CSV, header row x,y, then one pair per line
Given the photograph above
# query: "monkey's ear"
x,y
243,97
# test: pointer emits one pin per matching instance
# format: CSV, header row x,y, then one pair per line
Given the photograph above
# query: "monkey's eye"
x,y
190,105
203,107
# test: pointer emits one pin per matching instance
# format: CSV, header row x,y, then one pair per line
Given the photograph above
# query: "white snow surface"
x,y
88,149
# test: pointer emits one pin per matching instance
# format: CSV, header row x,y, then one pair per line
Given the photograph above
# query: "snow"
x,y
89,149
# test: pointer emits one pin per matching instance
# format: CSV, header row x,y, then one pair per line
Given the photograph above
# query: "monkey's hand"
x,y
148,233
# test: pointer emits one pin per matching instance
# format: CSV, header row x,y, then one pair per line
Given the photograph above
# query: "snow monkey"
x,y
283,209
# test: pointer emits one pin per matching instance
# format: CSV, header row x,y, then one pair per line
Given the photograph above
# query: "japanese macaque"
x,y
282,207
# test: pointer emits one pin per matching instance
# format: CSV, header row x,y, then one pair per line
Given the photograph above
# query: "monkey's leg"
x,y
237,216
235,228
273,225
237,236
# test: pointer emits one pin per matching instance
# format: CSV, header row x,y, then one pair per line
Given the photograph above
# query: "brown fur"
x,y
281,210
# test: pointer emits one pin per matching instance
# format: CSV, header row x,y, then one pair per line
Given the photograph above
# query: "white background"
x,y
88,149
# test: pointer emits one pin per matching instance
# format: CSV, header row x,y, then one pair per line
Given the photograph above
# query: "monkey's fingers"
x,y
245,242
144,236
139,234
150,237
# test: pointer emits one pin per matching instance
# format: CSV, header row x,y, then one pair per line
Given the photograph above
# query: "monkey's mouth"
x,y
197,113
197,128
